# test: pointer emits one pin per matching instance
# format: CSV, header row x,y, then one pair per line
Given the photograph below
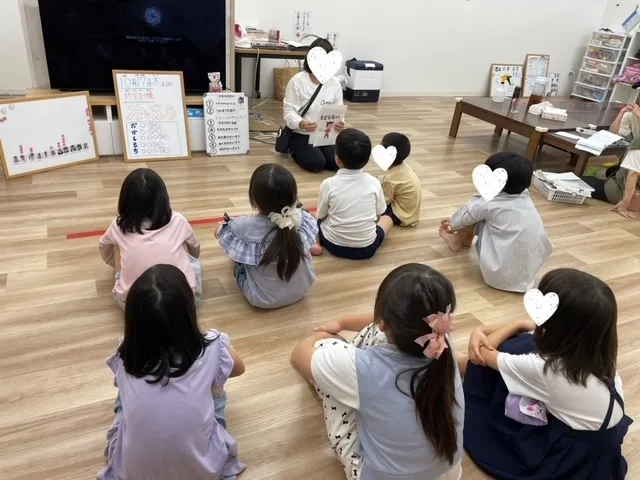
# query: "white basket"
x,y
550,193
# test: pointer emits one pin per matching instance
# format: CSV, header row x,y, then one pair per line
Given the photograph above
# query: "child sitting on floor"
x,y
351,202
568,364
271,249
401,185
146,232
512,244
170,420
392,398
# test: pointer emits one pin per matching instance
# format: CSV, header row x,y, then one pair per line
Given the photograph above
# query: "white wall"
x,y
432,47
15,57
617,12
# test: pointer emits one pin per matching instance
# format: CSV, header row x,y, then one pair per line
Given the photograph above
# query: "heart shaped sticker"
x,y
540,307
384,157
489,183
324,65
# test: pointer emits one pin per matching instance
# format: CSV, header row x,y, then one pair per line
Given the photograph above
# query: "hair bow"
x,y
288,217
435,342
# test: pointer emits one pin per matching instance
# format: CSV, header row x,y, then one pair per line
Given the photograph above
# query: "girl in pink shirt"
x,y
146,233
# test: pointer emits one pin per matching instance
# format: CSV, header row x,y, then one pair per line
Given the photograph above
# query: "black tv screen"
x,y
86,39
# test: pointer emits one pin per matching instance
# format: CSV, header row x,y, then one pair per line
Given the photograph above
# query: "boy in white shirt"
x,y
351,203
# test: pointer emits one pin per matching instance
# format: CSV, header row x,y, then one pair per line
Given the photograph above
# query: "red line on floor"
x,y
200,221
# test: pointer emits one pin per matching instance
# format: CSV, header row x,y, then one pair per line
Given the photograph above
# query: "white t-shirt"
x,y
351,201
581,408
298,92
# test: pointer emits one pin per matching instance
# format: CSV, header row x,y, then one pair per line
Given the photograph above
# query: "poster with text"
x,y
325,134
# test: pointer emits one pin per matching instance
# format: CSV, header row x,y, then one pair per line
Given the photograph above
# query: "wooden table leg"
x,y
455,121
574,159
533,145
581,164
497,131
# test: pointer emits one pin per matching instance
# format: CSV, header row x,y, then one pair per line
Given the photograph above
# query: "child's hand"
x,y
333,327
217,234
477,340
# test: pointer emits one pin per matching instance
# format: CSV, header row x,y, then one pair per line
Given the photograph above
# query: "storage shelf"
x,y
592,72
593,86
606,48
602,61
587,98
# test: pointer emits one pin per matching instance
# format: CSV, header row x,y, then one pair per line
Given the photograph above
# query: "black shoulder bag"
x,y
285,133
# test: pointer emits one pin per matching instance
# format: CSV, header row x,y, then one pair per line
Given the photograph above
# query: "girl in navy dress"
x,y
569,365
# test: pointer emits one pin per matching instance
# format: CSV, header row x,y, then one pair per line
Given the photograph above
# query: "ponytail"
x,y
433,389
286,248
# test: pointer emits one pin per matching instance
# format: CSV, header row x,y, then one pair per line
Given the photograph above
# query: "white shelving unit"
x,y
623,92
603,60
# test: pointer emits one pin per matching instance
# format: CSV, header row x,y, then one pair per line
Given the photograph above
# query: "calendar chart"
x,y
153,115
43,133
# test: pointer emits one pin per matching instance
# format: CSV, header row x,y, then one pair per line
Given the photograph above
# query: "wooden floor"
x,y
58,321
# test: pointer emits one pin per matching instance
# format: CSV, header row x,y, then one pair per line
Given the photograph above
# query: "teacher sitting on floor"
x,y
622,183
299,91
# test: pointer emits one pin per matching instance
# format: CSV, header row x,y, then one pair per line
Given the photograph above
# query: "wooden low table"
x,y
581,114
579,158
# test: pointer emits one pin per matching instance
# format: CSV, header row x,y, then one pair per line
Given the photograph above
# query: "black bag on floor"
x,y
285,133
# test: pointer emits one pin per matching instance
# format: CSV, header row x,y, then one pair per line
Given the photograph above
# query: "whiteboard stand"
x,y
44,133
226,118
153,115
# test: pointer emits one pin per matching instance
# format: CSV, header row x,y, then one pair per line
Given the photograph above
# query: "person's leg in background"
x,y
197,270
329,153
598,185
307,156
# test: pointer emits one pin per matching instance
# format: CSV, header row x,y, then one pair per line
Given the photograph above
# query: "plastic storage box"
x,y
364,80
552,194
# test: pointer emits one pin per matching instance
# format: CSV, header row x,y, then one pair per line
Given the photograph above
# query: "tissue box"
x,y
555,114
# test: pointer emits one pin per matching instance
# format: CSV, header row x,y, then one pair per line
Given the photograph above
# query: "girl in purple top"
x,y
170,421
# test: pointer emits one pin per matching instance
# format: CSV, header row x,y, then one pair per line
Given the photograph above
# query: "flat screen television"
x,y
86,39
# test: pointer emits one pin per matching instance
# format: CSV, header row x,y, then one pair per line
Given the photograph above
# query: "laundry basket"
x,y
552,194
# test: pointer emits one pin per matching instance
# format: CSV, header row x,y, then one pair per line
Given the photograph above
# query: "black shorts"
x,y
351,253
389,213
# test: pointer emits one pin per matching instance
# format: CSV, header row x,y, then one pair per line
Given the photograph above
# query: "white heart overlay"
x,y
540,307
324,65
384,157
489,183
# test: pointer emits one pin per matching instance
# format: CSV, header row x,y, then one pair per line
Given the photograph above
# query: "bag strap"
x,y
305,109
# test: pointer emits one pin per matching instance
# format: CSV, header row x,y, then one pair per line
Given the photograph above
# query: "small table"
x,y
579,158
581,114
259,54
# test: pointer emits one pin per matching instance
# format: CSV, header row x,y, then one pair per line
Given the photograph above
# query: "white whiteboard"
x,y
153,115
226,118
534,66
43,133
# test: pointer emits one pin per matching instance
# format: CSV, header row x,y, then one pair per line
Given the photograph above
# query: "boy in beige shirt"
x,y
401,185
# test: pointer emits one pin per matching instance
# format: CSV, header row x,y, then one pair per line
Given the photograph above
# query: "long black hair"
x,y
161,334
408,295
581,337
143,197
272,188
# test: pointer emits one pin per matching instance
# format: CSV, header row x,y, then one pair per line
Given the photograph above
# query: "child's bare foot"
x,y
316,250
452,238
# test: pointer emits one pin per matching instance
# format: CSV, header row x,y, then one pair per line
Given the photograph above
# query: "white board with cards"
x,y
153,115
226,119
535,65
499,71
44,133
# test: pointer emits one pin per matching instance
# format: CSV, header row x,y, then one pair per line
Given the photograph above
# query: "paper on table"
x,y
325,134
597,142
569,135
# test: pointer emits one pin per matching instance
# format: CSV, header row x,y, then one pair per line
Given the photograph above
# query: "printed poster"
x,y
325,134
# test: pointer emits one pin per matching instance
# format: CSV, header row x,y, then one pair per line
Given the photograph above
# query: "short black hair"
x,y
143,197
401,143
353,148
161,334
581,338
318,42
519,170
